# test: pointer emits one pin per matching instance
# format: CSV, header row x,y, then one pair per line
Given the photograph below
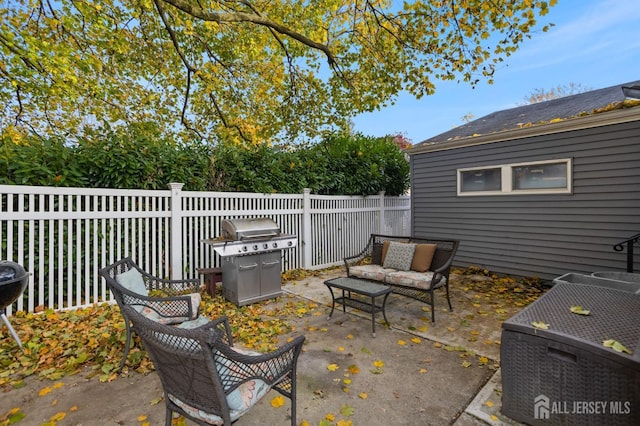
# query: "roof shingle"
x,y
560,108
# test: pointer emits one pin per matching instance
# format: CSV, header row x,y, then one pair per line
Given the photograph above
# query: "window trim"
x,y
507,179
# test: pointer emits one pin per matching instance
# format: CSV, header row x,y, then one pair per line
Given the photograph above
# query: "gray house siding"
x,y
536,235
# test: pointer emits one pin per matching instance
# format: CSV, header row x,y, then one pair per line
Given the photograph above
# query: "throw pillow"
x,y
132,281
399,256
422,257
385,249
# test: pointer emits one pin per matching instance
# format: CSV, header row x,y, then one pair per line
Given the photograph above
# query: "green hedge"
x,y
139,157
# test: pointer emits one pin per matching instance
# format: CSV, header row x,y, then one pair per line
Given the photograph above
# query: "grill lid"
x,y
243,229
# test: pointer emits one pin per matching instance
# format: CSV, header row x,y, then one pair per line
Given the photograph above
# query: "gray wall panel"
x,y
537,235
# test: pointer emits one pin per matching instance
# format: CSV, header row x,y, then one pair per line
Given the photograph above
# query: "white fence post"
x,y
176,231
307,237
382,229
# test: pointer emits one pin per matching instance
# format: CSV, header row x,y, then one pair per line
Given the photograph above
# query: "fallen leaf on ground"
x,y
278,401
44,391
346,410
58,416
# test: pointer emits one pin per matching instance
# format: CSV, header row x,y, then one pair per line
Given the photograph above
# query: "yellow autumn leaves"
x,y
580,310
347,380
15,415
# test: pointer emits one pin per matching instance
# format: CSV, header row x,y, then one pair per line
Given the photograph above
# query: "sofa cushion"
x,y
198,322
399,256
369,272
421,280
422,257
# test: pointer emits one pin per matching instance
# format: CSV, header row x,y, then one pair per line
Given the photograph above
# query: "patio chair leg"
x,y
127,344
293,398
433,308
448,299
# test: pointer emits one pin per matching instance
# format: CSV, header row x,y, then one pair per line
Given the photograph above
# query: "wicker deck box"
x,y
564,374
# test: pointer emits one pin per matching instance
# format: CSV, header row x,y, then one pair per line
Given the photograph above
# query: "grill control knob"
x,y
244,248
290,243
275,245
255,247
265,246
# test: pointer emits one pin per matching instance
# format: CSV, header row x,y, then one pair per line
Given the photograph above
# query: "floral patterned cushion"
x,y
240,400
201,320
248,393
369,272
420,280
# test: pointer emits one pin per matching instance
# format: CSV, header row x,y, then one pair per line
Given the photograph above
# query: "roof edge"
x,y
570,124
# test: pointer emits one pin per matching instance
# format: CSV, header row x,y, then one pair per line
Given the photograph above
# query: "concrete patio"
x,y
413,372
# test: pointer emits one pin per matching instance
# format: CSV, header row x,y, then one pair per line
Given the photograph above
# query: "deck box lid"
x,y
614,314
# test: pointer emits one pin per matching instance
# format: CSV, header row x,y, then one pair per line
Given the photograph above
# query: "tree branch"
x,y
195,11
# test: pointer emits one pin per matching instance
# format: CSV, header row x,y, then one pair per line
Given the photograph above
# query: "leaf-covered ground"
x,y
61,343
57,344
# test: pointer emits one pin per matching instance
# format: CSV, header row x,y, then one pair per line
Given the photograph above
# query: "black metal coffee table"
x,y
361,287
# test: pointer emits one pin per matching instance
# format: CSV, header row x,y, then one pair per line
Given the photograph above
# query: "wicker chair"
x,y
208,381
167,301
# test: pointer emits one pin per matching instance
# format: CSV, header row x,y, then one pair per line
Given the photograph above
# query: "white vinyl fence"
x,y
63,236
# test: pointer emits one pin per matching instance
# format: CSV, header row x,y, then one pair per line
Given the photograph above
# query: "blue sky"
x,y
594,43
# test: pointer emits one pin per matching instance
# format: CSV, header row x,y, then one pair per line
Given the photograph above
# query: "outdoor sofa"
x,y
412,266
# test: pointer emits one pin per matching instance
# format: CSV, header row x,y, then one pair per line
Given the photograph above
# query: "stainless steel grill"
x,y
251,252
239,237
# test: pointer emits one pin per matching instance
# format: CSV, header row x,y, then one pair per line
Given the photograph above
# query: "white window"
x,y
539,177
